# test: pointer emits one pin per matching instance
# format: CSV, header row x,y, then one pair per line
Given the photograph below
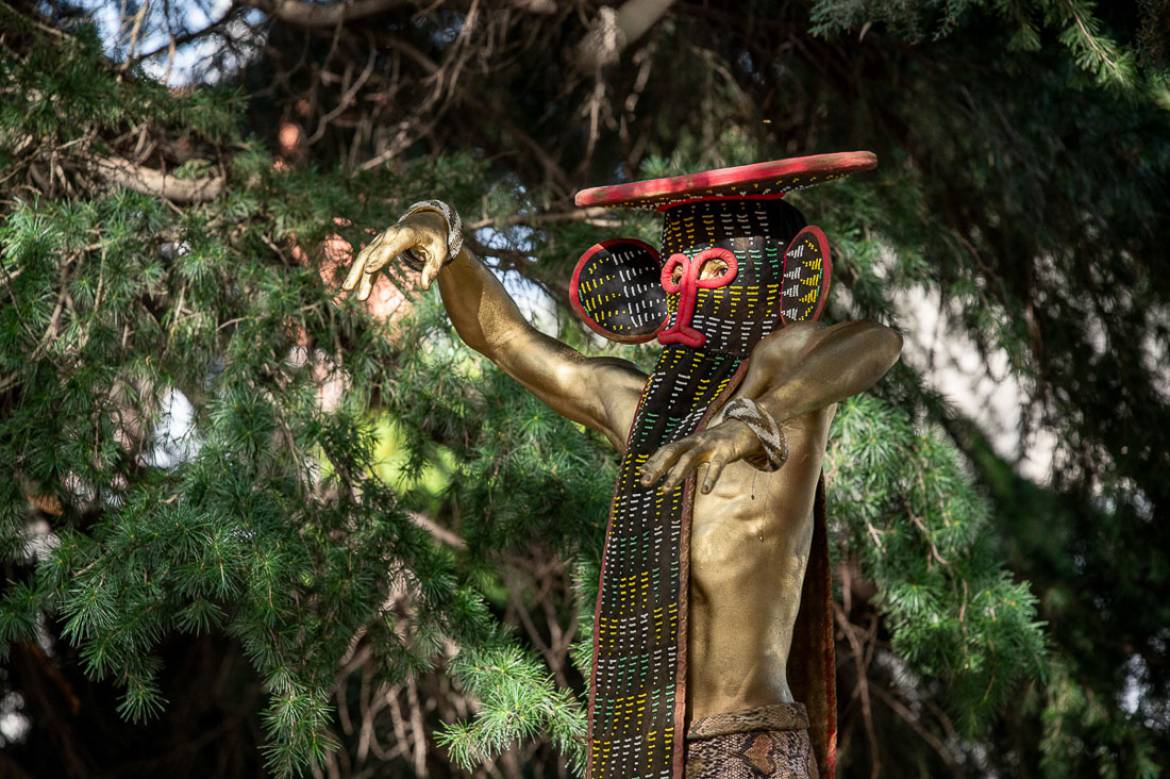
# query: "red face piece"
x,y
687,288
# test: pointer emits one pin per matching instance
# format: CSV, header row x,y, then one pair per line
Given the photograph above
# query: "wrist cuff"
x,y
764,426
454,230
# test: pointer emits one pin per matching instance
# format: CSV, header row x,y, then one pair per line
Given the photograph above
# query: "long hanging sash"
x,y
638,691
637,701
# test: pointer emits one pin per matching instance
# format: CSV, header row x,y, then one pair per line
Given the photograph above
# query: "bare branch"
x,y
187,37
346,100
916,724
615,30
155,182
303,14
440,533
593,216
548,162
543,7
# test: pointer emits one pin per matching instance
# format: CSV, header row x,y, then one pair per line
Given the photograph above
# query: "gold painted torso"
x,y
749,547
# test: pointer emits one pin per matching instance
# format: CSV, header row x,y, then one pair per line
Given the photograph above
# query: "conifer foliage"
x,y
369,552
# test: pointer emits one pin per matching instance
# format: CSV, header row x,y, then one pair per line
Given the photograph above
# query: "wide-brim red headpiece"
x,y
762,179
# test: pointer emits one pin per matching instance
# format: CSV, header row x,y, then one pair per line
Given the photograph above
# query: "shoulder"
x,y
799,337
617,387
619,375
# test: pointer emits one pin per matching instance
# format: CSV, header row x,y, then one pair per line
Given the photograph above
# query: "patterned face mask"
x,y
738,265
736,270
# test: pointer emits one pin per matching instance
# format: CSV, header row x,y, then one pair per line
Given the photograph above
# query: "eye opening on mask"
x,y
713,268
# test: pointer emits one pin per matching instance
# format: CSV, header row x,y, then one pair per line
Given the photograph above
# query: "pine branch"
x,y
591,216
1096,53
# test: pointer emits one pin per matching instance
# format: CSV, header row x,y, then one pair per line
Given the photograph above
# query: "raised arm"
x,y
598,392
797,370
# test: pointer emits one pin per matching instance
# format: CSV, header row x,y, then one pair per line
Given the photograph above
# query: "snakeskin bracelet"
x,y
764,426
454,231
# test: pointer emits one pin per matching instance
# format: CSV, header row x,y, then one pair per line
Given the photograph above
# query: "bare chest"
x,y
753,521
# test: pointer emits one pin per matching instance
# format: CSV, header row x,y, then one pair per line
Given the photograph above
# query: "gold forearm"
x,y
484,314
599,392
489,321
793,373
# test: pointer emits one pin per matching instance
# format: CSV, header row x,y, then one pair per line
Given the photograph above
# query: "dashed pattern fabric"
x,y
638,686
806,275
694,226
737,316
638,630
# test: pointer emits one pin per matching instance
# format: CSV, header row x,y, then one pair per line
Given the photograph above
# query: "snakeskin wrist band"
x,y
764,426
454,231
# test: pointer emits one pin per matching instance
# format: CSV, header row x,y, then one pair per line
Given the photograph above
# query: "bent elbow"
x,y
889,346
879,348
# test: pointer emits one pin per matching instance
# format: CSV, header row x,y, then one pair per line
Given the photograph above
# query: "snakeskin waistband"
x,y
779,716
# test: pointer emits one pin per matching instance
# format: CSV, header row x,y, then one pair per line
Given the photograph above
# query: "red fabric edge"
x,y
812,663
774,170
574,290
829,642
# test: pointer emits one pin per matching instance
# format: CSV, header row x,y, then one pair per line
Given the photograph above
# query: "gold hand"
x,y
717,446
600,392
423,232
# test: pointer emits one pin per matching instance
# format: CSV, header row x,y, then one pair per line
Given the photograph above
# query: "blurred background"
x,y
252,528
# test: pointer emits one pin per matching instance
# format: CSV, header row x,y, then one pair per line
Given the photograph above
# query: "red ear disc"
x,y
616,290
807,267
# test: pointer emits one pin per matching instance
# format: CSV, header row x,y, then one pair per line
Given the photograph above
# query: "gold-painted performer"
x,y
751,529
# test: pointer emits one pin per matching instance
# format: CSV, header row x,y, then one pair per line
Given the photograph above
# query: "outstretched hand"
x,y
424,233
716,447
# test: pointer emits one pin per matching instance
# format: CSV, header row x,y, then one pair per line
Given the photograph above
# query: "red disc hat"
x,y
761,179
